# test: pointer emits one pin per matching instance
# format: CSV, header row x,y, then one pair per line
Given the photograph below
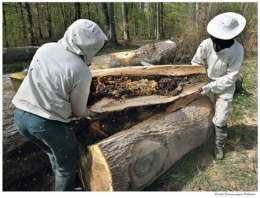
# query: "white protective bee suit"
x,y
223,57
56,89
58,80
223,67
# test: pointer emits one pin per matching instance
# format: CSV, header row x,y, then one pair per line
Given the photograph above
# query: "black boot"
x,y
220,136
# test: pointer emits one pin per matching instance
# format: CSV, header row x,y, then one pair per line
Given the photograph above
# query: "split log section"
x,y
140,150
193,78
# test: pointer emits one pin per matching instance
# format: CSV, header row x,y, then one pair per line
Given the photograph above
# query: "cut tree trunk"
x,y
133,158
22,158
159,53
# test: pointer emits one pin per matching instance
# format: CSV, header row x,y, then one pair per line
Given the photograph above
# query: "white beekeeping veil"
x,y
84,37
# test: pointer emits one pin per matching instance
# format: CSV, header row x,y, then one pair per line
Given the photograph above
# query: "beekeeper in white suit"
x,y
223,56
56,89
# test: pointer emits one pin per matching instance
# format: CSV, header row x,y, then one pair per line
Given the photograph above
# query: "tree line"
x,y
33,24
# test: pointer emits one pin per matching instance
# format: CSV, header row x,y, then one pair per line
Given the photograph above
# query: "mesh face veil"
x,y
219,44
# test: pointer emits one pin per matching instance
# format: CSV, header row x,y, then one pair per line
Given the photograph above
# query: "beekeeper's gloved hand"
x,y
205,89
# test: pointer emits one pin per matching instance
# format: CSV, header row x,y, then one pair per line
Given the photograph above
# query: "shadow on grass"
x,y
243,136
193,164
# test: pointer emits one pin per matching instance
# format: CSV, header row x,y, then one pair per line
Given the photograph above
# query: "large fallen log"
x,y
18,53
158,53
133,158
135,155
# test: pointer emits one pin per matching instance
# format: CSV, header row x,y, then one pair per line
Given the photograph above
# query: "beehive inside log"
x,y
122,87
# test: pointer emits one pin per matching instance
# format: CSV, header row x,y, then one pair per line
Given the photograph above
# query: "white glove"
x,y
89,113
205,89
92,114
146,64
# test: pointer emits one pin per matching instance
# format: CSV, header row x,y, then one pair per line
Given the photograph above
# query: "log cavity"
x,y
123,87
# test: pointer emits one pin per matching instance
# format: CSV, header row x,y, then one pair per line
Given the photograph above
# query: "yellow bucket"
x,y
17,80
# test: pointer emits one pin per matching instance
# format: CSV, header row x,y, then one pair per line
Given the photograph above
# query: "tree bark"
x,y
162,18
97,14
4,27
88,10
49,21
77,11
112,27
105,18
125,21
63,16
31,25
39,21
158,29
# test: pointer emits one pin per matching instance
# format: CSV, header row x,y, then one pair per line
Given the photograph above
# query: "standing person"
x,y
56,89
223,56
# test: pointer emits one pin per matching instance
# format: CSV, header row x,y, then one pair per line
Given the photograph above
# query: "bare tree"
x,y
125,21
112,28
39,22
77,11
63,16
88,10
23,20
162,18
197,11
48,20
4,27
158,32
97,13
31,26
105,18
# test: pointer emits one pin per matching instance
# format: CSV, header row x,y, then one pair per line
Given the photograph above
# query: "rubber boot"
x,y
220,136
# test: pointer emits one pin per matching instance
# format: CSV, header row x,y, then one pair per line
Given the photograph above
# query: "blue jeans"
x,y
58,140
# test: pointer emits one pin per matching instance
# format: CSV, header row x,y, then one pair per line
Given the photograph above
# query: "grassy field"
x,y
198,171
